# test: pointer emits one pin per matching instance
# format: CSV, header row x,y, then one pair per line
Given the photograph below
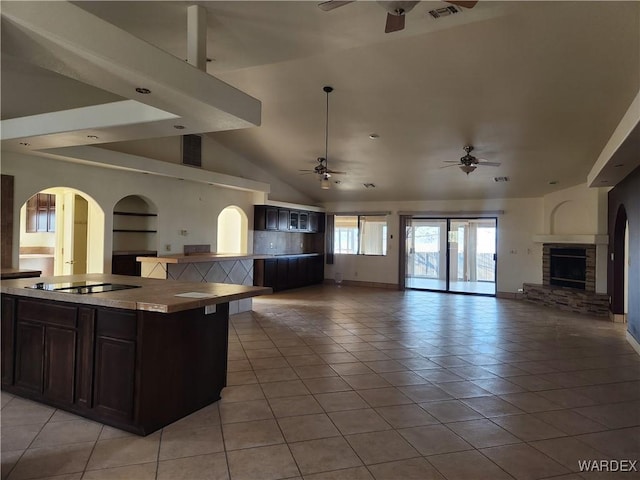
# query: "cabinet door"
x,y
59,364
29,356
313,222
270,273
84,363
283,220
114,377
294,221
304,221
282,273
271,218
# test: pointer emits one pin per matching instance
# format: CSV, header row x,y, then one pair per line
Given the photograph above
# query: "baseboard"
x,y
633,342
618,317
356,283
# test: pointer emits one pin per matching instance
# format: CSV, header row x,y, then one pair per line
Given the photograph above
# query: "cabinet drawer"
x,y
49,313
116,324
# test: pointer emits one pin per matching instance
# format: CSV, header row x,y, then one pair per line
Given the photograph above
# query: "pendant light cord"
x,y
327,90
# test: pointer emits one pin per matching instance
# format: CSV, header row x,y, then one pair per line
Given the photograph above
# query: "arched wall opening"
x,y
233,231
135,225
61,233
620,293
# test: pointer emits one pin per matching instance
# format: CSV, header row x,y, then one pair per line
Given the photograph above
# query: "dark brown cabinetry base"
x,y
287,272
134,370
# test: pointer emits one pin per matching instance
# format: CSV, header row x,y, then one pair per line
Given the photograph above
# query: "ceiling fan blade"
x,y
394,23
331,4
336,173
306,170
463,3
447,166
452,161
489,164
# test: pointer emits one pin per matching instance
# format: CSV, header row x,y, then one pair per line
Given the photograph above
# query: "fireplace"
x,y
568,267
568,280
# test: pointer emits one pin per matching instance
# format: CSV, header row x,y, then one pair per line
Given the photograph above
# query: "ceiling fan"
x,y
322,169
396,10
468,163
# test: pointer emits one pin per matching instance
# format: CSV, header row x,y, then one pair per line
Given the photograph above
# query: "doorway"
x,y
61,233
455,255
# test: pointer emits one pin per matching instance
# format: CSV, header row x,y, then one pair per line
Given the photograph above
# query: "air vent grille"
x,y
500,179
369,185
444,11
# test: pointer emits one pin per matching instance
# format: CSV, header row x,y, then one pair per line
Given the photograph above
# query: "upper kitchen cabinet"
x,y
287,220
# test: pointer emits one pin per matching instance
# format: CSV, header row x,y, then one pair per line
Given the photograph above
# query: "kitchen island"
x,y
136,357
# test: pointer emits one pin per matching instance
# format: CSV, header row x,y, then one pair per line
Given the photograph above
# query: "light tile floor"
x,y
355,383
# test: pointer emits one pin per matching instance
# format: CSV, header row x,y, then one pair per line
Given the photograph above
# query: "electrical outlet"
x,y
355,274
167,247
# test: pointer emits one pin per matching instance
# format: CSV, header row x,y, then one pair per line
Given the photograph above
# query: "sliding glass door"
x,y
426,254
451,255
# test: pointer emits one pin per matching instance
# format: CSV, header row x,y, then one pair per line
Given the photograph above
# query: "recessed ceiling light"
x,y
143,91
179,127
500,179
338,182
373,136
618,165
369,185
25,144
604,181
553,182
92,137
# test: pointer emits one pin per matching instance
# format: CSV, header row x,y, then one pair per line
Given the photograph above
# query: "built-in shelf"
x,y
135,214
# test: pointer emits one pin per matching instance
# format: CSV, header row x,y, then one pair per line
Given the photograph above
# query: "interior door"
x,y
75,230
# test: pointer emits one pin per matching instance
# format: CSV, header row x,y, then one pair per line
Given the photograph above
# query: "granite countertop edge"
x,y
153,296
217,257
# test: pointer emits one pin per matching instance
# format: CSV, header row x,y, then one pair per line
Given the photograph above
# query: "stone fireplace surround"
x,y
585,301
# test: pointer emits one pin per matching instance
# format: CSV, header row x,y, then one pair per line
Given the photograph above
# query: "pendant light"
x,y
325,184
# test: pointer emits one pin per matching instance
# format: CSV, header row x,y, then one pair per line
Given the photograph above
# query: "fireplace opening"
x,y
568,267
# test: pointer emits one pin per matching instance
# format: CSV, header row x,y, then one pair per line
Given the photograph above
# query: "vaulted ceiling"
x,y
537,86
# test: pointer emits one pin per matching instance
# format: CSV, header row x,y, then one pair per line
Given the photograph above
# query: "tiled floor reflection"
x,y
355,383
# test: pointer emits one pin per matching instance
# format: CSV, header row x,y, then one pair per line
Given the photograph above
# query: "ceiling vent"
x,y
192,150
444,11
369,185
500,179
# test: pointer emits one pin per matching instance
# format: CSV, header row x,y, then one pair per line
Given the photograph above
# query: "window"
x,y
360,234
41,213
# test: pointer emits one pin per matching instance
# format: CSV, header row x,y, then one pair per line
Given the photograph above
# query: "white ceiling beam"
x,y
64,38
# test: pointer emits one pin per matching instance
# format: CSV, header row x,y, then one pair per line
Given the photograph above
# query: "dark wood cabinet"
x,y
41,213
287,272
126,264
29,356
134,370
271,215
287,220
283,220
59,364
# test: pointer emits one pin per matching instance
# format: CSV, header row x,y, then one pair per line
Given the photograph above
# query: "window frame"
x,y
358,238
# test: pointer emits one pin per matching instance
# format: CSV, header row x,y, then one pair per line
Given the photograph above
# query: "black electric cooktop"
x,y
81,288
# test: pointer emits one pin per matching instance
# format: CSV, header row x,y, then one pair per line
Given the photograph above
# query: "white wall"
x,y
519,259
182,205
580,210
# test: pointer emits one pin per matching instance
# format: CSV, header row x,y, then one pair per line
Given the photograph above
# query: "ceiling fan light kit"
x,y
467,168
396,10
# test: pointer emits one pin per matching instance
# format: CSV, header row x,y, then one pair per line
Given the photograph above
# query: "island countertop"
x,y
216,257
153,295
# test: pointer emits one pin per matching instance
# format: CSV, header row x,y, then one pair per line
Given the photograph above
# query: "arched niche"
x,y
61,233
233,231
135,225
